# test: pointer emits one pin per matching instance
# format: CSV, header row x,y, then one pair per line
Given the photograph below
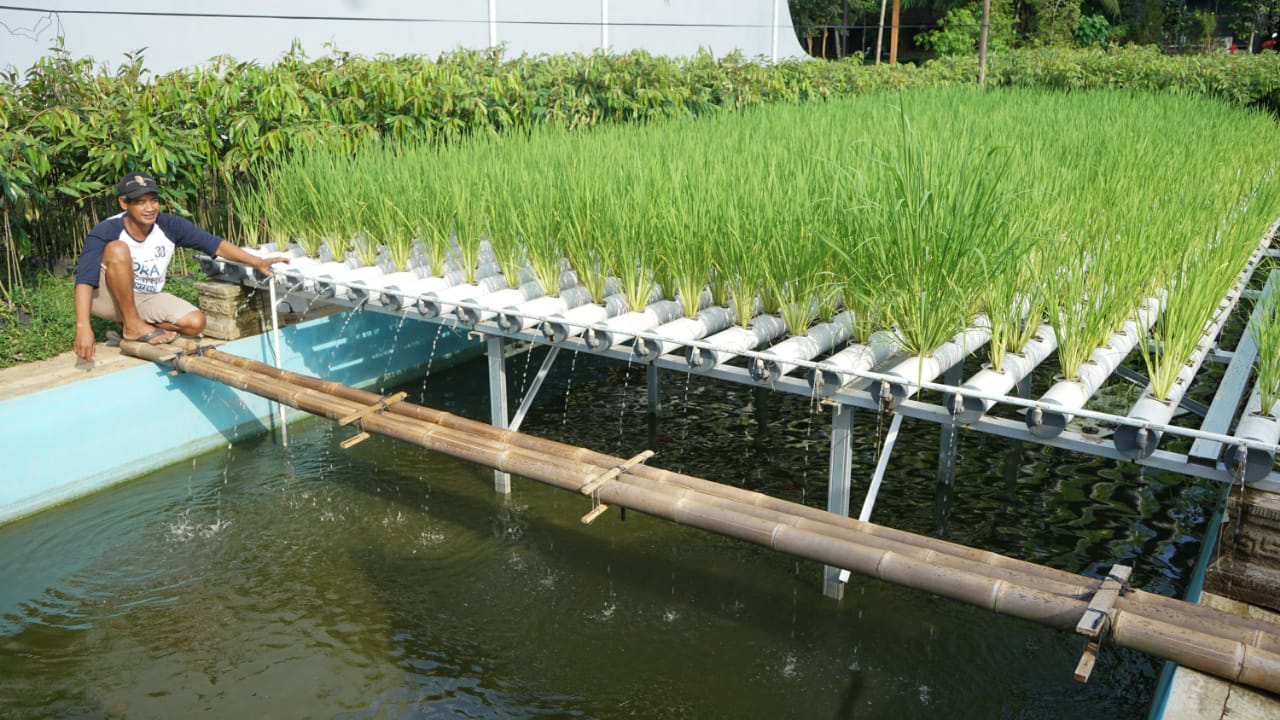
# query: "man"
x,y
125,261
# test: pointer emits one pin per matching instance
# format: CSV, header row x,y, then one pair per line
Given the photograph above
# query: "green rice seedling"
x,y
1015,304
935,229
1206,272
249,208
1266,333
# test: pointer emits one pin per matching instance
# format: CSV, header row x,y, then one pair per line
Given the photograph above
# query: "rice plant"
x,y
1266,333
914,210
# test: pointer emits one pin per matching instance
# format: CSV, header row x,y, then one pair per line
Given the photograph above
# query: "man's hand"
x,y
263,265
84,343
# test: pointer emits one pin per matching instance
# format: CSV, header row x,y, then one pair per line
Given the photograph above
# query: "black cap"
x,y
135,185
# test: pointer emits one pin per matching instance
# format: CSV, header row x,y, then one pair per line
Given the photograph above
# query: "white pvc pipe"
x,y
402,297
968,409
435,304
764,328
305,275
573,322
1258,427
275,340
617,330
675,333
470,316
917,369
526,315
340,284
371,289
820,338
845,366
1074,393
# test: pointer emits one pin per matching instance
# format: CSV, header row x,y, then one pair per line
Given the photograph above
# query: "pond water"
x,y
386,581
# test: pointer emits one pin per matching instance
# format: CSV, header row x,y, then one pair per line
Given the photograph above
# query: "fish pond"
x,y
386,581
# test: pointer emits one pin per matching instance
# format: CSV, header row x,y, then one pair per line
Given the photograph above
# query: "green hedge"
x,y
69,129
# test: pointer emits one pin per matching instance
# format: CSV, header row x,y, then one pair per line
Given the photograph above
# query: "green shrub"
x,y
1093,31
960,30
69,129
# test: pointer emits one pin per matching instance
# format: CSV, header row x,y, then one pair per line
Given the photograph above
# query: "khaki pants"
x,y
152,307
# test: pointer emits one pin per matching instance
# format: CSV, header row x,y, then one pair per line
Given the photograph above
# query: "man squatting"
x,y
125,261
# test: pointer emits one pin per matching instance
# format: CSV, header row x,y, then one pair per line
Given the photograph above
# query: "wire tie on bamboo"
x,y
384,402
592,487
1099,616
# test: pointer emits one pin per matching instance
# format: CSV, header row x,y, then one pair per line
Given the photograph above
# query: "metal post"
x,y
838,486
761,401
773,37
493,23
275,341
1013,459
604,25
655,390
529,396
498,401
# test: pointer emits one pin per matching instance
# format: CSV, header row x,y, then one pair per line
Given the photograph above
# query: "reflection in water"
x,y
385,581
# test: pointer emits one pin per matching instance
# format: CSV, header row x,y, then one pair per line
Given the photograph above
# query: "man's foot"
x,y
155,337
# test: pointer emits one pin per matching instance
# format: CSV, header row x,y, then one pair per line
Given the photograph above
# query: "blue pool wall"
x,y
76,439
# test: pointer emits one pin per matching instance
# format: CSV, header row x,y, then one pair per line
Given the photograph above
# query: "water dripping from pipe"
x,y
395,340
573,364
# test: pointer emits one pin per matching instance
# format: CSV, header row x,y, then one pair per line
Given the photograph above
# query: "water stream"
x,y
385,581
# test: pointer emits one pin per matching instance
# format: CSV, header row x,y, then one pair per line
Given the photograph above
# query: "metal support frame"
x,y
948,435
1197,463
652,382
498,401
534,387
838,487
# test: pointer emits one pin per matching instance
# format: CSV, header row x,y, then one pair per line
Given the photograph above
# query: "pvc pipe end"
x,y
825,382
556,332
598,339
1257,463
764,371
701,359
646,349
467,316
510,321
1136,442
1046,423
967,410
429,306
390,298
323,287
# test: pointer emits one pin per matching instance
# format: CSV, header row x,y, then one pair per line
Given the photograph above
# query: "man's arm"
x,y
236,254
84,344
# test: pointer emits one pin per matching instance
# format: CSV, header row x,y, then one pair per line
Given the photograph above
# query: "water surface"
x,y
386,581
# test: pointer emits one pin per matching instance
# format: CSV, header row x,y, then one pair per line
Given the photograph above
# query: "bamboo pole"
x,y
1239,649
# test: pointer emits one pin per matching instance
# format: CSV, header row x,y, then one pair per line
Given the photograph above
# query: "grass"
x,y
1266,333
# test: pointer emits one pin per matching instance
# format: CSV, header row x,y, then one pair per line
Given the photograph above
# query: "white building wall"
x,y
183,33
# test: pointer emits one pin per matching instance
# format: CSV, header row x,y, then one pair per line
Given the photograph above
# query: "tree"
x,y
814,18
1256,18
959,30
